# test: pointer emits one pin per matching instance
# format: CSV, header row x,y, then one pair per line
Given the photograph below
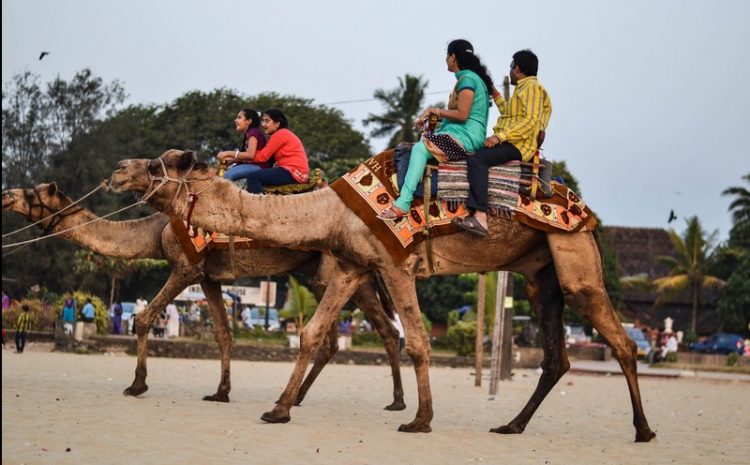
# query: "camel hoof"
x,y
645,437
415,427
270,417
507,429
298,402
217,398
135,391
396,405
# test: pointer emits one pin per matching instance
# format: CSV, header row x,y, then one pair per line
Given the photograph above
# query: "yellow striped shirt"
x,y
523,116
24,322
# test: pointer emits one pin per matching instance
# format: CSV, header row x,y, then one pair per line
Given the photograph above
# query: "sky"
x,y
649,97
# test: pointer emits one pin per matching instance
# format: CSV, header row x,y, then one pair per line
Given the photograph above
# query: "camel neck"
x,y
139,238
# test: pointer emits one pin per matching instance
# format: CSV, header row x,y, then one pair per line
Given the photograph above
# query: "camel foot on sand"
x,y
396,405
135,390
645,437
507,429
415,426
218,397
276,416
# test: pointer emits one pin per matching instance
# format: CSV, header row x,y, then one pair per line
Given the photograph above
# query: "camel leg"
x,y
368,301
579,268
176,282
546,298
223,336
403,293
327,350
341,287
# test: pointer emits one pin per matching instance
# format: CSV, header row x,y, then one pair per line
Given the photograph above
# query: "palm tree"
x,y
403,105
302,303
689,267
740,206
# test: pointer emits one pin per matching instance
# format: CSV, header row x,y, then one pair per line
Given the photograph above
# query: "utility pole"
x,y
498,333
268,299
479,343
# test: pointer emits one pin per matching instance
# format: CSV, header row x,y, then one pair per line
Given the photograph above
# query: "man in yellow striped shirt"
x,y
23,324
516,135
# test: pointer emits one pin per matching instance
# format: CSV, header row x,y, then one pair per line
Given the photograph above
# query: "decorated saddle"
x,y
372,186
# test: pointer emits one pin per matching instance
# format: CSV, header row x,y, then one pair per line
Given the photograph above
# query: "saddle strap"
x,y
535,175
427,197
232,262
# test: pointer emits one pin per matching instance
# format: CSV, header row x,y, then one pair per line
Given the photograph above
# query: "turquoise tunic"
x,y
472,132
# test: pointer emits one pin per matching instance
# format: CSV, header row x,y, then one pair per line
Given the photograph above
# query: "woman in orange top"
x,y
285,148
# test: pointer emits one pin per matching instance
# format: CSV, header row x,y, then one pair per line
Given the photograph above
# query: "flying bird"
x,y
42,55
672,216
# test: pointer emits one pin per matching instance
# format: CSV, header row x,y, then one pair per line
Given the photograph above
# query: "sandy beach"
x,y
61,408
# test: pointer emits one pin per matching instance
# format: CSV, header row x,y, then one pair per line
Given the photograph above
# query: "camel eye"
x,y
29,196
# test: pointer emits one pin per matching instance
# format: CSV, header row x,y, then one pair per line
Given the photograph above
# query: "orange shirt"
x,y
287,150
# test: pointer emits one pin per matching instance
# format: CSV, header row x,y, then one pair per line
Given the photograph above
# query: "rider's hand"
x,y
491,141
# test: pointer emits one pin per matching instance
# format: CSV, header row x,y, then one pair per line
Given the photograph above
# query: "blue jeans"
x,y
240,171
275,176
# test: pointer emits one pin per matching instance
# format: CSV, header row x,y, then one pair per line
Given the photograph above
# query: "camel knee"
x,y
625,350
310,337
584,299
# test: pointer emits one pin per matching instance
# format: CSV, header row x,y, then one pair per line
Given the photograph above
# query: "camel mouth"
x,y
8,200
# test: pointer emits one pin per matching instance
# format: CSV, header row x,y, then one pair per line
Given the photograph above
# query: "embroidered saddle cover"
x,y
371,187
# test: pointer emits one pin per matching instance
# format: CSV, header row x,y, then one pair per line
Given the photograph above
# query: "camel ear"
x,y
187,159
52,188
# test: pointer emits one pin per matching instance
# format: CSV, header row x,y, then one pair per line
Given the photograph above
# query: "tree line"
x,y
74,132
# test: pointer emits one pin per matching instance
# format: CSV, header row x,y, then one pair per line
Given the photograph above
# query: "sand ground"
x,y
52,402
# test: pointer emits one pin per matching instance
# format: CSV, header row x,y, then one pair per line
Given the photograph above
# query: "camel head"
x,y
35,203
138,174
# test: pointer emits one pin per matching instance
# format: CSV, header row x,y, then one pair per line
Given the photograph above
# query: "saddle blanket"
x,y
196,242
371,187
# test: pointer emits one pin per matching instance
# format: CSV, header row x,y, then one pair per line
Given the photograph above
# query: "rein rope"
x,y
58,233
54,214
191,197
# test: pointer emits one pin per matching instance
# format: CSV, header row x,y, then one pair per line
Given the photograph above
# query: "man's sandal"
x,y
391,213
470,224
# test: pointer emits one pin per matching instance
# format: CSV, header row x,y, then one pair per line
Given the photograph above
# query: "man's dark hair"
x,y
25,308
526,61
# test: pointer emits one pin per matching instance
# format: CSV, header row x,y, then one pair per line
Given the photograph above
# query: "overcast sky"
x,y
650,97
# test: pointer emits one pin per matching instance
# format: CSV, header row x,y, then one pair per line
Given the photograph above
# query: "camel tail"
x,y
385,297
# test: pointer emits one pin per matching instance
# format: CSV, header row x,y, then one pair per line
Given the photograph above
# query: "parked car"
x,y
719,343
644,348
258,318
575,335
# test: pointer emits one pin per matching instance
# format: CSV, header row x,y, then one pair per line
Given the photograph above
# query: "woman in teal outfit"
x,y
463,127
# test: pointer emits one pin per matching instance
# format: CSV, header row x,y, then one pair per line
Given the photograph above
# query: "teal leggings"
x,y
419,158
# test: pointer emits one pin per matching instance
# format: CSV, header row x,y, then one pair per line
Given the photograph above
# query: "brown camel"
x,y
153,237
559,267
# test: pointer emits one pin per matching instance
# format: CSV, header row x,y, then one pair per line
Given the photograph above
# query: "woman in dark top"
x,y
247,120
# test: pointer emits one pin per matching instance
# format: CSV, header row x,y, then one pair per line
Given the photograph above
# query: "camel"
x,y
153,237
559,267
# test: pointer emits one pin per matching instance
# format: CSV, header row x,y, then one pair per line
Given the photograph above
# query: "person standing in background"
x,y
23,324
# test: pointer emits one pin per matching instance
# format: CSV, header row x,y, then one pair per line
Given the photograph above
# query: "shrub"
x,y
366,338
672,357
689,337
733,359
101,317
462,337
42,315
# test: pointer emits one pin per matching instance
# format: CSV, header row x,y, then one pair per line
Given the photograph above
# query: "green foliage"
x,y
403,105
101,317
733,359
441,294
560,168
302,303
689,337
426,323
740,206
462,337
689,269
368,338
671,357
734,302
42,315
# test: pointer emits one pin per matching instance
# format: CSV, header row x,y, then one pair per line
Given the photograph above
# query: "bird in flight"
x,y
42,55
672,216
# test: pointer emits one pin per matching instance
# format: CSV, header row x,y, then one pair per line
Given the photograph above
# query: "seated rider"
x,y
285,147
515,136
247,121
463,125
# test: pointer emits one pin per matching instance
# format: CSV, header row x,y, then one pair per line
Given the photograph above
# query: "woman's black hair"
x,y
278,116
467,59
253,116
